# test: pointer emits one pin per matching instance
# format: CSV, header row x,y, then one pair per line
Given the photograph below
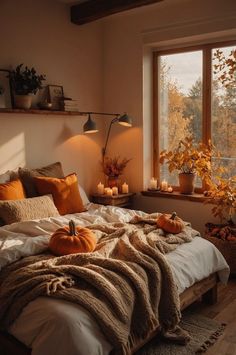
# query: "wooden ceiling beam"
x,y
92,10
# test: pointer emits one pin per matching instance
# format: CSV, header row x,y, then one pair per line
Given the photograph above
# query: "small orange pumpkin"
x,y
170,223
71,240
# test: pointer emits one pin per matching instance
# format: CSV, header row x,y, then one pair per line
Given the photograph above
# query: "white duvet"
x,y
57,327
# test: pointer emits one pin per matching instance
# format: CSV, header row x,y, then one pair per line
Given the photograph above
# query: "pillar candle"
x,y
115,190
164,185
100,188
153,184
109,191
125,188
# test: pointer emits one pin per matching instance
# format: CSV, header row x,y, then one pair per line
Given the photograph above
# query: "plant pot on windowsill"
x,y
186,183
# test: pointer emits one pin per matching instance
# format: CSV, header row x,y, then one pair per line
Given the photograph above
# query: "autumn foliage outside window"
x,y
185,108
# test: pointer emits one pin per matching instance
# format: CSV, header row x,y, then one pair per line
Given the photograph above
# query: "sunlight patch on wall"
x,y
12,153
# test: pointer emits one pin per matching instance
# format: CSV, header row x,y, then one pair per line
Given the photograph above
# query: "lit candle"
x,y
100,188
170,189
125,188
164,185
109,191
115,190
153,184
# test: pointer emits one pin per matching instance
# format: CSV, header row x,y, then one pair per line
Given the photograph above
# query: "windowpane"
x,y
223,108
180,102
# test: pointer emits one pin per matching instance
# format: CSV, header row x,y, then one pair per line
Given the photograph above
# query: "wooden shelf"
x,y
41,112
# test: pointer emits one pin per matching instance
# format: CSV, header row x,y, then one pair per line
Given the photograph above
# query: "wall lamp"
x,y
90,125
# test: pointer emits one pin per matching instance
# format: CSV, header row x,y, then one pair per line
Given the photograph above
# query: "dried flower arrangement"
x,y
113,167
190,158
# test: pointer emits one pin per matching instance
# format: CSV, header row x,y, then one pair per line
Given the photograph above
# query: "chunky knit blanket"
x,y
126,284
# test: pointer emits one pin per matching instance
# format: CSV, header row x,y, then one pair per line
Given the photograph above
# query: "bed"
x,y
55,326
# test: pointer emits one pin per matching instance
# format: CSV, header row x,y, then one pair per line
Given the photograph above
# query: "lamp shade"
x,y
90,126
125,120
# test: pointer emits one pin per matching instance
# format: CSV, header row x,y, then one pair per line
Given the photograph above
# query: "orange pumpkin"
x,y
170,223
71,240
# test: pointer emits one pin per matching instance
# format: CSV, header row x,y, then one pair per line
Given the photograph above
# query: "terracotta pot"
x,y
186,183
113,181
22,101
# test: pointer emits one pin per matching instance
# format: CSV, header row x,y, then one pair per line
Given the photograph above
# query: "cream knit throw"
x,y
126,284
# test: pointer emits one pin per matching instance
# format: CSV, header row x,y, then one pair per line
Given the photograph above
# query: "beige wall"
x,y
39,33
129,40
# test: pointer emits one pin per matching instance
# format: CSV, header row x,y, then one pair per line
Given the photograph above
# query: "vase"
x,y
22,101
186,183
113,181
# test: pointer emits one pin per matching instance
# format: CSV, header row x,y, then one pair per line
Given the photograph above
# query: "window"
x,y
191,97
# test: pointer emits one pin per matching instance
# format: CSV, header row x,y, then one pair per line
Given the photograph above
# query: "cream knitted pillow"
x,y
12,211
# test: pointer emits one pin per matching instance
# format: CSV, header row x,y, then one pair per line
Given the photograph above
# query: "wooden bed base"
x,y
207,289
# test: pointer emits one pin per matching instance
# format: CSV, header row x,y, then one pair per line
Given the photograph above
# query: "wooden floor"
x,y
224,311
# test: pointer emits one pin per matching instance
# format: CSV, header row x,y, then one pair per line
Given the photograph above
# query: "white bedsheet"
x,y
57,327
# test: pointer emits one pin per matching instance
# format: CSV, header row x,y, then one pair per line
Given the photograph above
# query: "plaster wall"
x,y
129,40
40,34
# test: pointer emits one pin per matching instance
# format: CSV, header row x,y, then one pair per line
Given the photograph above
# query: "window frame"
x,y
206,96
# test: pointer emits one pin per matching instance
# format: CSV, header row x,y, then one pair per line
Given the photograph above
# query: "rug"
x,y
204,332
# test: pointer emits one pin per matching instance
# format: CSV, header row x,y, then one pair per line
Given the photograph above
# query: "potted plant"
x,y
113,168
25,81
222,194
189,159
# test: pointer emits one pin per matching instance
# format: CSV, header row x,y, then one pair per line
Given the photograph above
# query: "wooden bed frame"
x,y
207,289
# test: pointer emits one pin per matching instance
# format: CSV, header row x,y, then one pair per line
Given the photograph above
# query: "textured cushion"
x,y
65,192
27,209
27,175
5,177
12,190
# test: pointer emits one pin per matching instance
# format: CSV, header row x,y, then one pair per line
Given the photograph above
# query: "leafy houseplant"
x,y
189,159
223,195
113,168
25,81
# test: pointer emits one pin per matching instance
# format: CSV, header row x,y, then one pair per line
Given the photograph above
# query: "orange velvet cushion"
x,y
64,191
12,190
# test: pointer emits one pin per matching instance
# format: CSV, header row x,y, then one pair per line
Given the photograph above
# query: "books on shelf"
x,y
70,105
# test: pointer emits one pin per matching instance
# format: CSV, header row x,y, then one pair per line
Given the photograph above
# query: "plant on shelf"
x,y
190,159
113,168
25,81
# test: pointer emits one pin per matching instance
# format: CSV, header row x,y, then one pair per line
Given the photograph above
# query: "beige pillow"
x,y
5,177
12,211
27,175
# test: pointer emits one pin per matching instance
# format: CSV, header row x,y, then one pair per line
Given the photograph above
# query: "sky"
x,y
186,67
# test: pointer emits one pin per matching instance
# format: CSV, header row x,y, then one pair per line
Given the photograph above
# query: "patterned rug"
x,y
204,332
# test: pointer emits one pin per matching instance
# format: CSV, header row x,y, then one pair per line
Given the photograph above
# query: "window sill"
x,y
196,197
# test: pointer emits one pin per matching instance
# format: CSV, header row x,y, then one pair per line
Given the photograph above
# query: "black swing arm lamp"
x,y
90,125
